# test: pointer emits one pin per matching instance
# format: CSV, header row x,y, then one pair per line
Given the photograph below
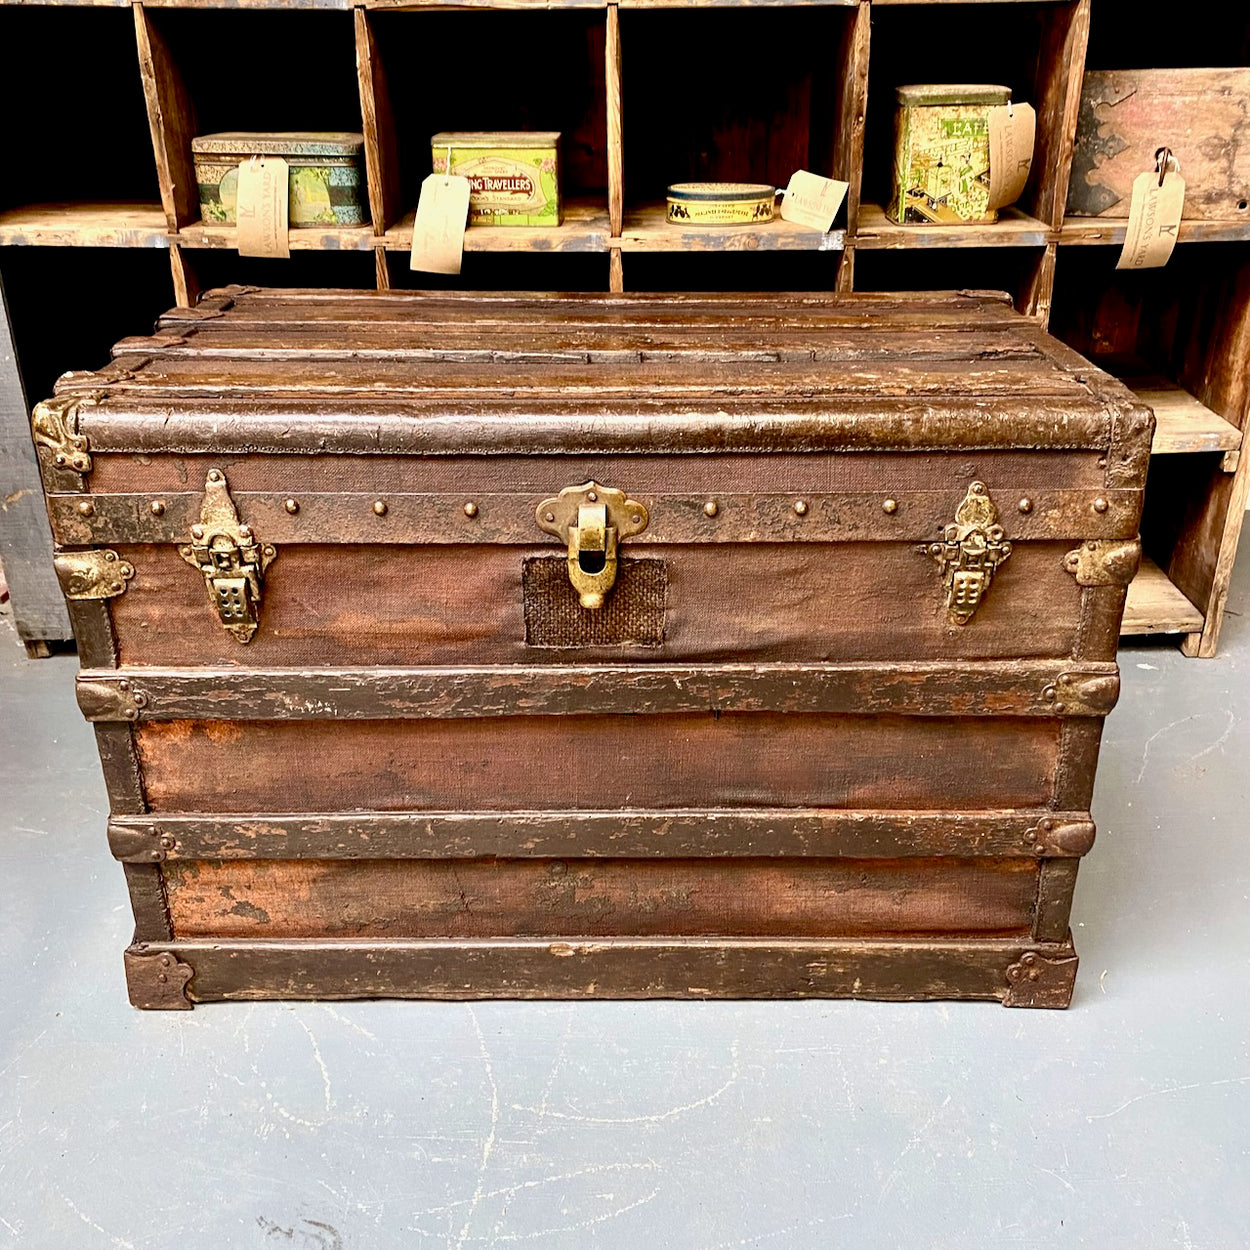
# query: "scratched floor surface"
x,y
1124,1122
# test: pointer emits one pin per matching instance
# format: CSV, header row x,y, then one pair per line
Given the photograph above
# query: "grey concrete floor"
x,y
1123,1122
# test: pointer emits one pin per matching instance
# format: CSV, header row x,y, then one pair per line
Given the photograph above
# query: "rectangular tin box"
x,y
514,175
327,181
942,154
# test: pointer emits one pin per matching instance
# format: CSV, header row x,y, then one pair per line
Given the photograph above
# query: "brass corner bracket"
x,y
971,549
54,425
157,980
1104,562
100,574
1041,980
591,520
233,563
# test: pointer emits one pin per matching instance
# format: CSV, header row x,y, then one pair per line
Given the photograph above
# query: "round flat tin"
x,y
720,203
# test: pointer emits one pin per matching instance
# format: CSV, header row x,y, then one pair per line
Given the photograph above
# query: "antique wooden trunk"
x,y
458,646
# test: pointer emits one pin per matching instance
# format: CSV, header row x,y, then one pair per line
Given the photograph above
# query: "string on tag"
x,y
1166,163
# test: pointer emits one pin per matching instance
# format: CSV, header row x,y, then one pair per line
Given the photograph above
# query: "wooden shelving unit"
x,y
792,85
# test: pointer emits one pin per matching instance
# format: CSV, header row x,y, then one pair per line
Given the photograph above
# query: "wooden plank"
x,y
645,229
198,234
1126,115
1045,688
898,970
615,135
782,832
378,125
585,228
39,611
1061,64
1014,228
1107,231
186,283
1182,422
665,896
171,118
84,224
851,108
1155,606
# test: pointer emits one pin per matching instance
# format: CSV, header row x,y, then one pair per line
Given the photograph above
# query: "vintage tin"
x,y
514,175
942,154
327,182
720,203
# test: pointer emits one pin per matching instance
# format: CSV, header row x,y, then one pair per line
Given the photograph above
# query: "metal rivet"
x,y
800,507
59,458
590,494
131,713
1025,506
141,698
245,531
1038,848
711,508
1048,825
890,507
292,506
1034,975
1101,505
379,506
157,507
162,977
549,516
214,475
168,841
1059,707
635,520
197,531
124,684
470,509
86,507
1048,693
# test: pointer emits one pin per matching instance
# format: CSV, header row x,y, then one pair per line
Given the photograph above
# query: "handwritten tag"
x,y
439,226
261,207
1154,217
1012,132
813,201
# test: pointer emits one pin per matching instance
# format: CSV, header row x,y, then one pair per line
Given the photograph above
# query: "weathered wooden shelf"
x,y
1107,230
1183,423
1013,229
1155,606
84,224
645,229
584,229
307,239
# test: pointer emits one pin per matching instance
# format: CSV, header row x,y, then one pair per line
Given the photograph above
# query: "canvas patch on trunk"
x,y
633,615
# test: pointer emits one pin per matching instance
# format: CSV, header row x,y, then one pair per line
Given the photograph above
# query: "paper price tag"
x,y
1012,130
813,201
261,207
439,226
1154,217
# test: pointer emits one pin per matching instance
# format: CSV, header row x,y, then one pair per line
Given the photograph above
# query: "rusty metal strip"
x,y
359,517
1014,971
1059,688
779,832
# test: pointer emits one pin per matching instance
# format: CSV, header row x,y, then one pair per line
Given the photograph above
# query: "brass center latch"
x,y
591,520
972,548
232,561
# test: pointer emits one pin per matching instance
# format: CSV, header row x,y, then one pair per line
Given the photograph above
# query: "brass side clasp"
x,y
972,549
232,561
591,520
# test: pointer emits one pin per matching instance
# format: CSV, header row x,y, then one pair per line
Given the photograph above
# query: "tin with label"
x,y
326,174
720,203
514,175
942,154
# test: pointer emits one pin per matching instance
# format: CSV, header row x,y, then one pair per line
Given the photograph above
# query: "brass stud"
x,y
379,506
1025,505
245,531
214,475
1101,505
1038,848
590,494
197,531
890,507
470,509
157,507
86,507
549,516
292,506
711,508
800,507
168,841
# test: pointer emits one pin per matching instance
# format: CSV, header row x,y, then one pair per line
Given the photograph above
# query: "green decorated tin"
x,y
720,203
514,175
327,182
942,154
